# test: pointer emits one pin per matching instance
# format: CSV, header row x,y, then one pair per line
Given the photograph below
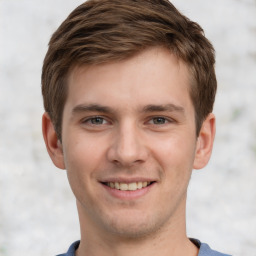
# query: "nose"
x,y
128,147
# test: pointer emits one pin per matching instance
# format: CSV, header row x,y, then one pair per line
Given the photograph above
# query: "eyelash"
x,y
166,120
90,120
94,118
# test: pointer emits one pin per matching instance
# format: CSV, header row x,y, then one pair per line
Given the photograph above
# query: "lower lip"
x,y
128,194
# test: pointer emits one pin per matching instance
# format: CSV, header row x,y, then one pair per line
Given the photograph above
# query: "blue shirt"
x,y
204,249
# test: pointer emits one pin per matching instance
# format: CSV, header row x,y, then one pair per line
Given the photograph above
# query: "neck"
x,y
171,239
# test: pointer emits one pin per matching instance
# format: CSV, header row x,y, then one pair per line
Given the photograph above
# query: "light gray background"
x,y
37,209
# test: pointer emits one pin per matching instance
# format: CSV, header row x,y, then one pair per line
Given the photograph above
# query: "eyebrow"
x,y
91,108
162,108
107,110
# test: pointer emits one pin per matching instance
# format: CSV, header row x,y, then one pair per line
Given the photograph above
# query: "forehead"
x,y
154,76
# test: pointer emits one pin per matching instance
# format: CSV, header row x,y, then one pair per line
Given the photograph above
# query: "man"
x,y
128,90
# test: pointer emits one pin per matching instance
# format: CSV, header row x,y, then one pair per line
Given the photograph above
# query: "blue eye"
x,y
96,120
159,120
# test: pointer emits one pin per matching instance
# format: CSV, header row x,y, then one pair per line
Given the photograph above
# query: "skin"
x,y
130,121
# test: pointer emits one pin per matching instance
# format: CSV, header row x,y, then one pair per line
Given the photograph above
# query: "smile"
x,y
128,186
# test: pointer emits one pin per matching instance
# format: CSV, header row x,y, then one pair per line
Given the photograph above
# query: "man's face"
x,y
129,143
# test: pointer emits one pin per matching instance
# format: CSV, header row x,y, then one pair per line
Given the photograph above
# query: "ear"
x,y
205,142
53,144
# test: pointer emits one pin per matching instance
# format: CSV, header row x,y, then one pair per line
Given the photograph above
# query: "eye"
x,y
97,120
159,120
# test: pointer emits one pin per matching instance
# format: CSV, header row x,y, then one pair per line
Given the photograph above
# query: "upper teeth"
x,y
128,186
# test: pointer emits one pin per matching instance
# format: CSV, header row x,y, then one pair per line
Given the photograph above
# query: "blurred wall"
x,y
37,209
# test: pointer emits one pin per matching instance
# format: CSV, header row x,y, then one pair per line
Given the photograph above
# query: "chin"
x,y
131,232
131,226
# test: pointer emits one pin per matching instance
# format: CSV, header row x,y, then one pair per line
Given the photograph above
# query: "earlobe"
x,y
53,144
205,142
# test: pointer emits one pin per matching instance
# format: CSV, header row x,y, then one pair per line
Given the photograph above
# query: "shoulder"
x,y
71,250
205,250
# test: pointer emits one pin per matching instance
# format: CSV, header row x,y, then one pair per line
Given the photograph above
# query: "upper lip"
x,y
127,180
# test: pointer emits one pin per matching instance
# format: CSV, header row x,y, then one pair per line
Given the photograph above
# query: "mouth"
x,y
128,186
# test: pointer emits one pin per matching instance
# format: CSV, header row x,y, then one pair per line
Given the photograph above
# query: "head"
x,y
105,31
128,88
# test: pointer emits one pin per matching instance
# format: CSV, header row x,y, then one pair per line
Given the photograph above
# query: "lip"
x,y
128,194
127,180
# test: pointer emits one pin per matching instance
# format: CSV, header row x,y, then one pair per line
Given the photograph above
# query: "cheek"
x,y
174,150
81,161
175,156
83,153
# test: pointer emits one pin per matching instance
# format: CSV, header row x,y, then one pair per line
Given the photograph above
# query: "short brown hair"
x,y
101,31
